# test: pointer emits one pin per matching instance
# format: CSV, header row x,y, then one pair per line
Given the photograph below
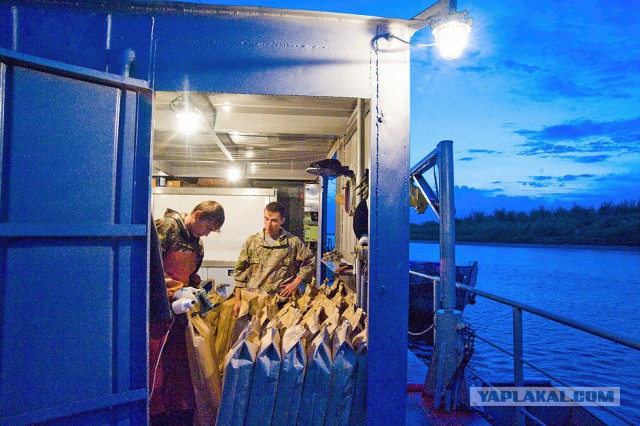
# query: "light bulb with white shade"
x,y
451,38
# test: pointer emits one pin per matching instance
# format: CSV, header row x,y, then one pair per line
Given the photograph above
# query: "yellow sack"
x,y
211,317
304,302
224,328
351,298
290,318
205,375
240,323
256,301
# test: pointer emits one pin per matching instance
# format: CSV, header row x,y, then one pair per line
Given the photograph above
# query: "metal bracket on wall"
x,y
416,175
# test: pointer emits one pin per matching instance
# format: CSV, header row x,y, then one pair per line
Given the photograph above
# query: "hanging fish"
x,y
329,168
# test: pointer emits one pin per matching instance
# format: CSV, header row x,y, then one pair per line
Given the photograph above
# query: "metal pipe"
x,y
518,348
322,228
426,163
356,276
437,295
448,342
447,228
358,282
360,168
596,331
360,159
544,373
485,382
518,355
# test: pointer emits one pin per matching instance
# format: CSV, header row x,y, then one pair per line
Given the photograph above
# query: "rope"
x,y
155,369
421,333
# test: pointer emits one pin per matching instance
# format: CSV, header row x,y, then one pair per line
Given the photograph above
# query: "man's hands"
x,y
186,293
287,290
237,303
183,299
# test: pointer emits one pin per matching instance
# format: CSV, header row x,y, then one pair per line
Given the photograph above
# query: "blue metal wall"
x,y
75,190
263,54
73,224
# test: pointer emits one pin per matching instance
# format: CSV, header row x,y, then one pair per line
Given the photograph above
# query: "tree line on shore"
x,y
608,225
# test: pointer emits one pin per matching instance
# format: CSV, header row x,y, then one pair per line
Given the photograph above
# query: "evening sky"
x,y
543,106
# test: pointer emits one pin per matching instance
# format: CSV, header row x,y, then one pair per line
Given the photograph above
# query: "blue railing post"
x,y
447,228
448,321
620,339
518,356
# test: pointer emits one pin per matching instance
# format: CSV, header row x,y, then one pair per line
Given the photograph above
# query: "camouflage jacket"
x,y
264,267
174,236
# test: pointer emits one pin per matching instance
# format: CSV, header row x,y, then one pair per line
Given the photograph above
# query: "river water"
x,y
598,286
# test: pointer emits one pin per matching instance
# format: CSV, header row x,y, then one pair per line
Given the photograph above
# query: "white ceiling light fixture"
x,y
187,115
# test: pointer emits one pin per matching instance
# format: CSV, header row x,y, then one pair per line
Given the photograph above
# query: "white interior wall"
x,y
347,154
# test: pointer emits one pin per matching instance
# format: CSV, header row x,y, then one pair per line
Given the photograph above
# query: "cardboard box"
x,y
212,182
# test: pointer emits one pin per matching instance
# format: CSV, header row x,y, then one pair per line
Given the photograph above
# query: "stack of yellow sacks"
x,y
282,361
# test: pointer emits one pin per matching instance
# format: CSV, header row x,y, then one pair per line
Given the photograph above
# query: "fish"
x,y
329,168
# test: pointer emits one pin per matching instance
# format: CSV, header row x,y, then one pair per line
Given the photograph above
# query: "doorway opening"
x,y
247,150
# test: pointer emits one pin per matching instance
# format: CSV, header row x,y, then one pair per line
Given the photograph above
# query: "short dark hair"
x,y
275,207
211,210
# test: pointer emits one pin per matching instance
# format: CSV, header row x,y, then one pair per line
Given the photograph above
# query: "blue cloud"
x,y
587,159
535,184
466,159
540,178
582,129
620,136
567,88
517,66
553,181
481,151
477,69
570,178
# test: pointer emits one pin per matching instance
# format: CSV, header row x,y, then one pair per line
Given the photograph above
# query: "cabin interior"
x,y
238,142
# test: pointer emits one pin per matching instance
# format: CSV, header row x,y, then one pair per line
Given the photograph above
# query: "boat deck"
x,y
420,409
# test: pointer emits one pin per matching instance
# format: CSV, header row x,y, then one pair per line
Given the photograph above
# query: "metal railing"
x,y
518,342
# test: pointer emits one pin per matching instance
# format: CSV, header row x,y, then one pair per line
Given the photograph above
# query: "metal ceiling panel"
x,y
266,135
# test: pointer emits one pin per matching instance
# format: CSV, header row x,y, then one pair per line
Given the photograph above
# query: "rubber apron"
x,y
173,389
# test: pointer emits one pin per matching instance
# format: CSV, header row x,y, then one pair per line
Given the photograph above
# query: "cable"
x,y
421,333
435,179
155,369
390,36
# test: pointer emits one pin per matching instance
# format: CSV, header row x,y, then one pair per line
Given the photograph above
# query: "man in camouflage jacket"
x,y
273,260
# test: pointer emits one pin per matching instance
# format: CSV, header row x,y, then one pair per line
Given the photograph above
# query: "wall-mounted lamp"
x,y
450,28
187,114
451,38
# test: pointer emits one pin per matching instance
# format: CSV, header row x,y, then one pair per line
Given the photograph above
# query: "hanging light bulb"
x,y
451,38
187,115
188,122
233,173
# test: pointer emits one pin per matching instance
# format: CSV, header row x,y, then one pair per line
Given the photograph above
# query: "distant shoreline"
x,y
552,246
